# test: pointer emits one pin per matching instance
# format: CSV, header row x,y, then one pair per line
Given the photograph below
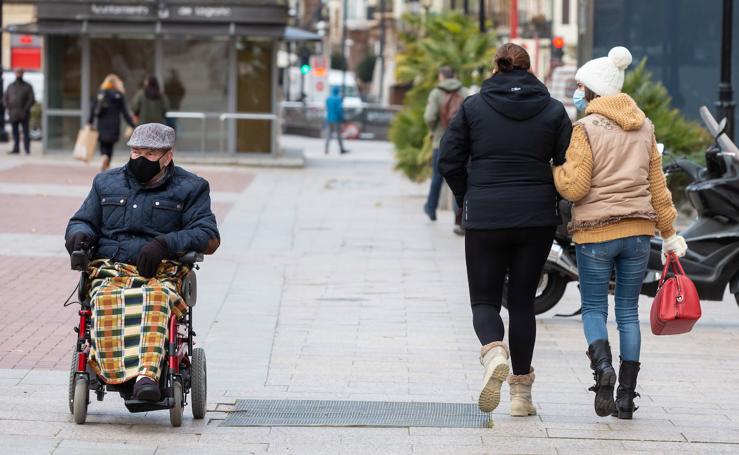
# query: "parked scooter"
x,y
712,260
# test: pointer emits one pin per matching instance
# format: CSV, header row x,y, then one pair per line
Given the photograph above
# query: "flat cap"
x,y
154,136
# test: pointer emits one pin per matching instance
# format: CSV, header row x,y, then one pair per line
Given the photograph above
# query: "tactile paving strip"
x,y
355,414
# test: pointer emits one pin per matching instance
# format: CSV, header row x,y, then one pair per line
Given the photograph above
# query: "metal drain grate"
x,y
249,413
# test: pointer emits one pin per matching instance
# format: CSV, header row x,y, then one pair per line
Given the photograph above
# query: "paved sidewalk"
x,y
332,284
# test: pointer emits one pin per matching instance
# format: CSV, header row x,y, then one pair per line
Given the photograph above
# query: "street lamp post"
x,y
344,63
382,52
726,92
482,16
3,133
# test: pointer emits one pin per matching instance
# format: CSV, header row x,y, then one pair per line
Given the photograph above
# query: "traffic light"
x,y
304,55
558,44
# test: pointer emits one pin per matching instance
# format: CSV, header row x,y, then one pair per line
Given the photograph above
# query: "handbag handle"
x,y
677,268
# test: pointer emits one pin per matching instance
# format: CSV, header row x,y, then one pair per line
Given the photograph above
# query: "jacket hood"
x,y
450,85
620,108
516,94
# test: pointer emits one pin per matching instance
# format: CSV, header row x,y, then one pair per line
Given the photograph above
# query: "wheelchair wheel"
x,y
199,384
81,399
175,412
72,371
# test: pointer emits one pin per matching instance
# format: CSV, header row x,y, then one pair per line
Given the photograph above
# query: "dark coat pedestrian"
x,y
496,156
150,105
18,101
105,115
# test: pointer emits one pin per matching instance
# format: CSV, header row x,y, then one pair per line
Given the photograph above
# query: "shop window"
x,y
254,95
63,62
130,59
196,80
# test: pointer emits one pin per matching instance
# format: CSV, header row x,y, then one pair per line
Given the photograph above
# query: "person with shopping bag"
x,y
106,112
613,175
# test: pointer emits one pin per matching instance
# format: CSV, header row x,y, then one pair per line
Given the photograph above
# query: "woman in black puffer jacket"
x,y
497,156
107,109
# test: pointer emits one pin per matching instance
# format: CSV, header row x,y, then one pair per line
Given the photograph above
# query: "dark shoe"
x,y
345,151
13,152
146,389
459,230
626,392
429,213
601,362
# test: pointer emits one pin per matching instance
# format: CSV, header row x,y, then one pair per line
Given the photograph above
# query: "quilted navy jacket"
x,y
123,216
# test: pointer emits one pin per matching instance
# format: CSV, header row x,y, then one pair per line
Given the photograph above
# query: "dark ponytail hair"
x,y
511,57
151,88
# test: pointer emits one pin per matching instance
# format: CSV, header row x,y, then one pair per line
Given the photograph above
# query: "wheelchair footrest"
x,y
146,406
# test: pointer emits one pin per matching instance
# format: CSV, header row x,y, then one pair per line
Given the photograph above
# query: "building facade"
x,y
216,61
681,40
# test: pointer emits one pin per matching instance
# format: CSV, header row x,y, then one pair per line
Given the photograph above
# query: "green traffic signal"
x,y
305,69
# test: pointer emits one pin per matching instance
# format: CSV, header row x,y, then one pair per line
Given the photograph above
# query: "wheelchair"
x,y
183,371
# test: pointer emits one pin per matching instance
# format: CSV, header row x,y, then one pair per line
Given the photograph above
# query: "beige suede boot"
x,y
494,357
521,404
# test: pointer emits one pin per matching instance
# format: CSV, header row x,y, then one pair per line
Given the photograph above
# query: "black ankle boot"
x,y
601,362
627,374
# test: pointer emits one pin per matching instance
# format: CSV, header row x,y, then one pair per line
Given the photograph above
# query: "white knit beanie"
x,y
605,75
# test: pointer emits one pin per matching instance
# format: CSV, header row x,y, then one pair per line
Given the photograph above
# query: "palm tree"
x,y
430,42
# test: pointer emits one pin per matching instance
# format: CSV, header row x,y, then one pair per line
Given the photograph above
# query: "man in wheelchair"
x,y
138,220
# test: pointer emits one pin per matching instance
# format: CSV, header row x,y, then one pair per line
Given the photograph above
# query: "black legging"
x,y
106,148
491,254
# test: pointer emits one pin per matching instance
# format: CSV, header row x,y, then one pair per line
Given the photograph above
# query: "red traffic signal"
x,y
558,42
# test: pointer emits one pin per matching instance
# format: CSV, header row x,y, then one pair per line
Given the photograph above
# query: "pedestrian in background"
x,y
496,156
334,118
18,101
175,91
614,176
443,103
106,112
150,105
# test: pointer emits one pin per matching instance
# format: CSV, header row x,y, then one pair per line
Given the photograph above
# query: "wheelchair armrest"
x,y
191,258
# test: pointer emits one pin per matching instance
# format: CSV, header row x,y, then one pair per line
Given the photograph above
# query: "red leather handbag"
x,y
676,307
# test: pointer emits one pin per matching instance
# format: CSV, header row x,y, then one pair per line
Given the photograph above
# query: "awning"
x,y
133,28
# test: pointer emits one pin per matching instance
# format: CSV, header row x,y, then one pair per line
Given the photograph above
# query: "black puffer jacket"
x,y
107,109
496,154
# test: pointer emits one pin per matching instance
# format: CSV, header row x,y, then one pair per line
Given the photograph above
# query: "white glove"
x,y
675,244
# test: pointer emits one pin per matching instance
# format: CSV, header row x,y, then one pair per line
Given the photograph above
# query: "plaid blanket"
x,y
129,318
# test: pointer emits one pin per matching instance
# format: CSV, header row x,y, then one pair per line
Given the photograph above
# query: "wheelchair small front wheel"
x,y
199,384
81,400
175,412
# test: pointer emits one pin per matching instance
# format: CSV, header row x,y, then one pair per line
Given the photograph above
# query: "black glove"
x,y
150,257
78,241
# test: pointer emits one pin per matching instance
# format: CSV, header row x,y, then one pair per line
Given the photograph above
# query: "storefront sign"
x,y
207,11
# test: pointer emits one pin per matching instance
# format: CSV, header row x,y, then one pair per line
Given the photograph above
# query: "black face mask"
x,y
143,169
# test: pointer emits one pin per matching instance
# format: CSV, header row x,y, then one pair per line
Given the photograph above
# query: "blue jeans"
x,y
432,202
595,262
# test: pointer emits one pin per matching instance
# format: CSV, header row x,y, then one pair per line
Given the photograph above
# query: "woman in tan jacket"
x,y
613,175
